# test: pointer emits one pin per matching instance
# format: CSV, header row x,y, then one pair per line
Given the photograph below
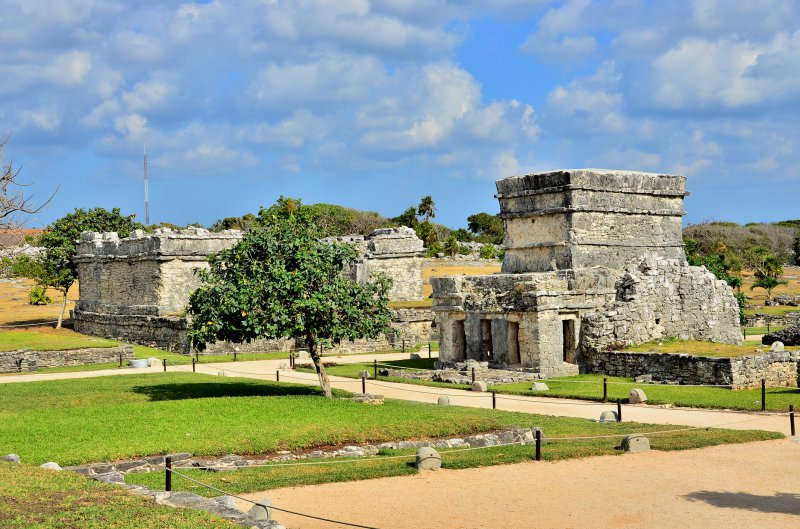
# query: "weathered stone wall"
x,y
664,298
773,320
589,217
26,360
778,369
416,324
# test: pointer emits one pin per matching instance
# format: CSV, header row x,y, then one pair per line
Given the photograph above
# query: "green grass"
x,y
32,498
778,310
354,370
46,341
590,387
762,330
694,347
258,479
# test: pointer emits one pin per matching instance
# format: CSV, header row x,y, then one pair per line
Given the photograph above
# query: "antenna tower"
x,y
146,196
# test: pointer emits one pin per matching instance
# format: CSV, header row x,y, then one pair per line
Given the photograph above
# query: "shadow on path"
x,y
205,390
781,502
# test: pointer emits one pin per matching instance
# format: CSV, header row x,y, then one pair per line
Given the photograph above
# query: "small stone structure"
x,y
26,360
135,289
594,261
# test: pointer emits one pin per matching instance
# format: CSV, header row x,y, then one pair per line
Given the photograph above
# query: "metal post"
x,y
494,400
538,445
168,475
404,345
291,359
473,375
120,360
763,395
194,366
791,419
619,410
363,383
165,365
768,327
429,350
375,367
277,375
605,389
234,356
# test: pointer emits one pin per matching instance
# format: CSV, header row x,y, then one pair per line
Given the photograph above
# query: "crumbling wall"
x,y
664,298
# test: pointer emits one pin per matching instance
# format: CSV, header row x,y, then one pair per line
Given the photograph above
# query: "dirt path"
x,y
752,485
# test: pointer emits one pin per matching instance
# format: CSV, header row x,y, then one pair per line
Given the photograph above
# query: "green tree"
x,y
724,266
426,208
427,232
488,251
57,270
450,246
768,283
488,228
281,281
796,248
407,218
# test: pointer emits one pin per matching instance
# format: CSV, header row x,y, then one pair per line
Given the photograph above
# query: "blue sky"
x,y
373,104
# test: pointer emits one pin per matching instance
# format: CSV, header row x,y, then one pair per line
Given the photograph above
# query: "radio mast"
x,y
146,196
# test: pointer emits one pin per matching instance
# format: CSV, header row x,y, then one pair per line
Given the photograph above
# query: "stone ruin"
x,y
594,261
136,288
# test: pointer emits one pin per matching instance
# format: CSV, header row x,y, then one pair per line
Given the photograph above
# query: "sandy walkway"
x,y
752,485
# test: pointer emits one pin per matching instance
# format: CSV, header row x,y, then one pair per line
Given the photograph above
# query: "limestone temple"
x,y
135,289
594,260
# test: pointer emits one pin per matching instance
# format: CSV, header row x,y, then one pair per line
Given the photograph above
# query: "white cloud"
x,y
148,95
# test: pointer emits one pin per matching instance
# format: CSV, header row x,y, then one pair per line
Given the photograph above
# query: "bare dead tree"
x,y
14,201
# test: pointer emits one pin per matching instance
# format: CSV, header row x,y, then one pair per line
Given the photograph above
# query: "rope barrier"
x,y
296,513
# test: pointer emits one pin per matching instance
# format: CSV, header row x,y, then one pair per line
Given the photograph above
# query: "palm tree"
x,y
427,208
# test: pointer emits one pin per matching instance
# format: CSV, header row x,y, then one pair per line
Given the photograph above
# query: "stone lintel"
x,y
585,209
578,187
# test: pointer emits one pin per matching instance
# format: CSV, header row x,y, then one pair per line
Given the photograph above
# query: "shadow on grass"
x,y
781,502
205,390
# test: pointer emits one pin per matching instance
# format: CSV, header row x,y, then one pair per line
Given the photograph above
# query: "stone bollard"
x,y
428,459
363,374
444,400
637,396
777,347
479,385
11,458
261,511
540,386
608,416
51,465
635,443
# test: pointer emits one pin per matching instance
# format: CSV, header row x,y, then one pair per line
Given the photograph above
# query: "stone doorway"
x,y
513,343
486,340
459,341
568,332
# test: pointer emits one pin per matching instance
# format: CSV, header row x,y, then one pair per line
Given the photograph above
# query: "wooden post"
x,y
605,389
429,350
194,366
763,395
234,356
538,445
363,383
473,375
375,367
791,419
494,400
120,360
619,410
277,375
291,359
165,365
168,474
404,345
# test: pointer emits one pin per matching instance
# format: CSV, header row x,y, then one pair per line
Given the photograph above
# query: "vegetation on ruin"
x,y
31,497
737,241
257,479
281,281
697,347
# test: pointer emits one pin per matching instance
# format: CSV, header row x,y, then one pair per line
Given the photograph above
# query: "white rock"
x,y
51,465
777,347
479,386
428,459
608,416
540,386
635,443
636,396
261,511
444,400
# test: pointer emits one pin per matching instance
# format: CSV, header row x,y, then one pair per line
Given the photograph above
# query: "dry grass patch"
x,y
15,309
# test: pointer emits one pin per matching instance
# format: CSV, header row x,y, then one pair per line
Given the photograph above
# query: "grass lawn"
x,y
354,370
49,339
590,387
257,479
696,348
778,310
762,330
33,498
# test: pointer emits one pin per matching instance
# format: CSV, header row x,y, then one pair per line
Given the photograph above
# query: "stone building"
x,y
136,289
594,259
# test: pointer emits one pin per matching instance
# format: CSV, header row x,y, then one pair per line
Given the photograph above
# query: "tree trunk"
x,y
63,308
324,381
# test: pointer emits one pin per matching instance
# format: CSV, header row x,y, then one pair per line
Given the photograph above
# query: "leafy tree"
x,y
407,218
488,228
281,281
426,208
768,283
796,248
427,232
450,246
462,235
57,269
723,266
488,251
234,223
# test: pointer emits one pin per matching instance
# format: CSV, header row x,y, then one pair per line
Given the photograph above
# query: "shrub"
x,y
38,296
488,251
